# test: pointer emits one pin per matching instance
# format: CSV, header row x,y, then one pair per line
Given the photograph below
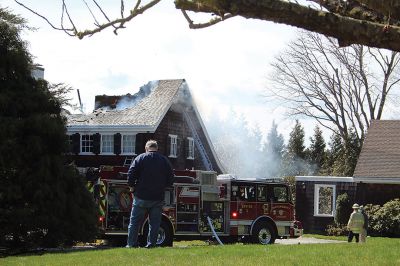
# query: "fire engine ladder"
x,y
203,154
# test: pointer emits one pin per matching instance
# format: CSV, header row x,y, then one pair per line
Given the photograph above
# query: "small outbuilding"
x,y
376,179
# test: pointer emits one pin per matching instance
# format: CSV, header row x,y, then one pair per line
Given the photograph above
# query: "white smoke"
x,y
128,100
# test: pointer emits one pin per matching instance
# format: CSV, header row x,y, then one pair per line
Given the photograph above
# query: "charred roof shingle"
x,y
147,112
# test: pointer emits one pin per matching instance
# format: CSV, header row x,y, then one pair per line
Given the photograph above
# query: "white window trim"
x,y
190,140
80,148
316,200
170,146
122,145
101,144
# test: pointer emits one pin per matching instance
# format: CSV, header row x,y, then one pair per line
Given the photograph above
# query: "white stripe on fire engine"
x,y
241,222
278,223
249,222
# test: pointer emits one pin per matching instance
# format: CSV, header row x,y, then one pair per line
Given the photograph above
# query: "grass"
x,y
377,251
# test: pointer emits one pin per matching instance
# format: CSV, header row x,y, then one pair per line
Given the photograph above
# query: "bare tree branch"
x,y
345,29
207,24
41,16
117,23
366,22
343,88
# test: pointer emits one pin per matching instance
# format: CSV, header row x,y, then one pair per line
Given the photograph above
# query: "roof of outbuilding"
x,y
148,111
380,154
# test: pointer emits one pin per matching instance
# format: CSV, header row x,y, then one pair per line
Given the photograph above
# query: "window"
x,y
107,143
173,146
324,200
190,148
280,194
261,193
87,143
128,144
243,193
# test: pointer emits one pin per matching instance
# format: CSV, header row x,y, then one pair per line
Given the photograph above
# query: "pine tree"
x,y
333,153
294,158
352,151
342,155
273,152
317,153
43,201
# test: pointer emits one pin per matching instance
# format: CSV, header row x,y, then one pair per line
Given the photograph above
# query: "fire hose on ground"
x,y
213,231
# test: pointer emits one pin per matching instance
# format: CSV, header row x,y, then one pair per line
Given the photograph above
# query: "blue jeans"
x,y
139,209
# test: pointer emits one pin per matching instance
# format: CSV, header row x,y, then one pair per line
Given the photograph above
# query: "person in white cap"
x,y
355,224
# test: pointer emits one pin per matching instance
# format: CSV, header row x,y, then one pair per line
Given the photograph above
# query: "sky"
x,y
226,65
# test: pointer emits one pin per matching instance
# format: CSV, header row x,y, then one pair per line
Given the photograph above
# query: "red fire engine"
x,y
199,205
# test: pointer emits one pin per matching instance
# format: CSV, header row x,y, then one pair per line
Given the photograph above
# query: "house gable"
x,y
160,112
379,160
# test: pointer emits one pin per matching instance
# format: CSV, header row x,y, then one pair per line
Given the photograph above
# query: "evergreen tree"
x,y
296,141
333,153
294,158
43,202
317,153
352,151
273,152
342,155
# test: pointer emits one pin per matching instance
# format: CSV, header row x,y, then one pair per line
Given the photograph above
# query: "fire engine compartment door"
x,y
119,203
187,208
216,210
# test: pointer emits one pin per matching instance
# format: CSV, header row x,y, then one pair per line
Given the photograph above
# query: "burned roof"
x,y
147,109
380,154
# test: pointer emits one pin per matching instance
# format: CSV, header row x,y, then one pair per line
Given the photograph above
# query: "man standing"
x,y
363,234
355,224
148,176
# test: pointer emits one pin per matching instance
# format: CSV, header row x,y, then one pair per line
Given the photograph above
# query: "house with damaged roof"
x,y
119,127
376,179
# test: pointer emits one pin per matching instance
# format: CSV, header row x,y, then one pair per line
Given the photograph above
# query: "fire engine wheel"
x,y
164,238
263,234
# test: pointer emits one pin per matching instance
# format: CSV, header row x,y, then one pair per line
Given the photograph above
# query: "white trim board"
x,y
325,178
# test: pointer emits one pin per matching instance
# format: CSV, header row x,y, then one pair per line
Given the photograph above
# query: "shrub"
x,y
337,230
343,209
385,220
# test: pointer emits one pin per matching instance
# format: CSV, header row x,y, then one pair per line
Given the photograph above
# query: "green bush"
x,y
343,209
385,220
337,230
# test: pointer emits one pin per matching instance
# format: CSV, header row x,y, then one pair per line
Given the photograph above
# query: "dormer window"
x,y
173,147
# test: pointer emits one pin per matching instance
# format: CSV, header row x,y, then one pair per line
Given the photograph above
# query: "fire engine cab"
x,y
201,204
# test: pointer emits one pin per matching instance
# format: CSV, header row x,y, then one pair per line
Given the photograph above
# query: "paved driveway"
x,y
306,240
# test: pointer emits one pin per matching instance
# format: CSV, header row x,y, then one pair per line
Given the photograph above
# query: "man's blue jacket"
x,y
150,173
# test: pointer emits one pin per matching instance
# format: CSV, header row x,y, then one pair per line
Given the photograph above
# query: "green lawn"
x,y
377,251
